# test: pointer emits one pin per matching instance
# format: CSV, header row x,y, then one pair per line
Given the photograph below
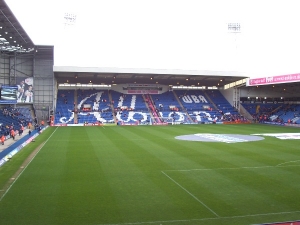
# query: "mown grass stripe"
x,y
156,185
91,175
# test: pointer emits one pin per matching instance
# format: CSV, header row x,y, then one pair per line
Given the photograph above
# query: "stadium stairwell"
x,y
112,107
152,108
75,106
148,107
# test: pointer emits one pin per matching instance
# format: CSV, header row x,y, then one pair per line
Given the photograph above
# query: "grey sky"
x,y
168,34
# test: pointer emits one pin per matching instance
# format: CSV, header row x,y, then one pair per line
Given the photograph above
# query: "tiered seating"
x,y
100,110
140,105
25,114
169,108
164,101
197,105
201,106
64,107
221,102
251,108
152,109
255,108
130,108
263,111
289,114
86,97
11,117
106,108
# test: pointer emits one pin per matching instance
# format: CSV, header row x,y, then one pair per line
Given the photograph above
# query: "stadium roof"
x,y
109,76
13,37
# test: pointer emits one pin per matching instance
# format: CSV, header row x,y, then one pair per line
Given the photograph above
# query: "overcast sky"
x,y
168,34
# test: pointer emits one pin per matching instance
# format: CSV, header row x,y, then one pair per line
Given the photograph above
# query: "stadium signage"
x,y
225,138
274,80
8,94
273,123
291,125
142,92
235,122
142,89
61,125
194,99
143,85
14,151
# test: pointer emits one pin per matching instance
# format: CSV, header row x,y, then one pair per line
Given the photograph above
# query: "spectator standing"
x,y
2,139
12,134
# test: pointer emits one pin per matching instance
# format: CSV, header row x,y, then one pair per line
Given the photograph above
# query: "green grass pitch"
x,y
142,175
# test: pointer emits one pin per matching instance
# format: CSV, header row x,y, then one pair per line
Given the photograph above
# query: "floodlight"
x,y
234,27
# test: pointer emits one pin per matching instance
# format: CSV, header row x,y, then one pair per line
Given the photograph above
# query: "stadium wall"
x,y
44,87
37,65
4,69
228,94
15,66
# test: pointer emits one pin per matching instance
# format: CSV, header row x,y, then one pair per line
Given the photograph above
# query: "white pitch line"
x,y
191,194
26,166
288,162
236,168
202,219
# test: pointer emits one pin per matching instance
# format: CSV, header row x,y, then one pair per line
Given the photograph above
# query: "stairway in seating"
x,y
152,107
75,106
147,105
112,106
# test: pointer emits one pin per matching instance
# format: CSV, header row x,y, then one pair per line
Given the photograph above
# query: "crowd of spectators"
x,y
283,114
233,118
12,122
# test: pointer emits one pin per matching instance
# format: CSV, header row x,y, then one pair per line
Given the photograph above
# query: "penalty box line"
x,y
239,168
202,219
193,196
235,168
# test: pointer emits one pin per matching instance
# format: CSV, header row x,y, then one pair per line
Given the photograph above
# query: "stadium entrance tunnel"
x,y
225,138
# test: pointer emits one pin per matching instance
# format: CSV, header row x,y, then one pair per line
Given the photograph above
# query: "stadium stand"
x,y
13,118
168,108
108,106
130,109
198,106
289,113
65,106
263,112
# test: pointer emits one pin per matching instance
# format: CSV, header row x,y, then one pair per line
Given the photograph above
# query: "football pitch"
x,y
145,175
